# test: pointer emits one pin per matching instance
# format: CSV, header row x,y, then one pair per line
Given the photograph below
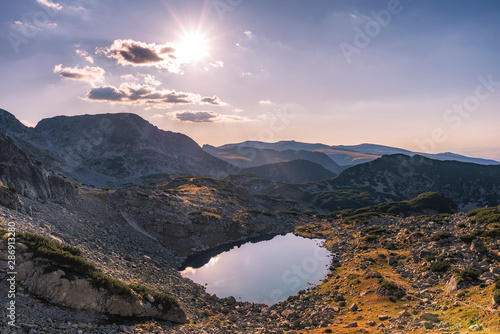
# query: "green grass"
x,y
467,275
387,284
159,298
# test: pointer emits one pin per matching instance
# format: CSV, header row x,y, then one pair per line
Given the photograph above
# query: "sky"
x,y
417,74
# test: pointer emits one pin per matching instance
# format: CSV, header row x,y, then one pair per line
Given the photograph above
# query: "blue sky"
x,y
422,75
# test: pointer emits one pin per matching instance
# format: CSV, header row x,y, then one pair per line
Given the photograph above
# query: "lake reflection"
x,y
264,272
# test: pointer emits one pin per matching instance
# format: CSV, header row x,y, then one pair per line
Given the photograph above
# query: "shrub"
x,y
352,276
159,298
440,235
440,266
467,275
386,284
496,296
370,238
374,230
462,225
99,280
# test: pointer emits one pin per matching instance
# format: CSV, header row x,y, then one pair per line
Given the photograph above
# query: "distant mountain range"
x,y
120,150
344,156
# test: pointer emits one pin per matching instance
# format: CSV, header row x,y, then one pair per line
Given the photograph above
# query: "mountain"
x,y
401,177
354,154
246,157
296,171
111,150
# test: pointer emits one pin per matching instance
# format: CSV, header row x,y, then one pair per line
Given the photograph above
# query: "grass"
x,y
467,275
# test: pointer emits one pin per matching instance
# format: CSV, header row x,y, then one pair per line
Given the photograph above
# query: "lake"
x,y
266,270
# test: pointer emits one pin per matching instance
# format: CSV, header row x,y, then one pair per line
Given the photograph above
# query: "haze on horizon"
x,y
420,75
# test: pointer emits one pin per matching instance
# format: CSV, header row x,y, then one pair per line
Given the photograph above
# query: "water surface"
x,y
267,271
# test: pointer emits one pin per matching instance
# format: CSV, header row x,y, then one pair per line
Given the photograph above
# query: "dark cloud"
x,y
105,93
87,73
211,100
196,116
135,53
134,93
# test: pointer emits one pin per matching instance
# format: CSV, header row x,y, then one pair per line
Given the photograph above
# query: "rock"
x,y
427,324
351,325
477,246
429,317
353,307
403,314
451,286
475,328
383,317
230,300
370,323
391,260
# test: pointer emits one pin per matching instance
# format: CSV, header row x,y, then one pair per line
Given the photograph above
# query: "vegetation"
x,y
441,235
440,266
67,255
387,284
159,298
467,275
426,201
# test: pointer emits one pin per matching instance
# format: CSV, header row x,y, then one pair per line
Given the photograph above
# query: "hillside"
x,y
295,171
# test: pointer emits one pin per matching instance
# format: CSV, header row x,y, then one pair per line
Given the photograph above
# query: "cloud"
x,y
144,94
28,123
50,4
85,55
199,116
249,34
147,79
217,64
196,116
214,100
245,74
87,73
135,53
265,102
157,116
238,110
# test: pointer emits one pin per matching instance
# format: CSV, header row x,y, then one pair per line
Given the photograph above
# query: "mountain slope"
x,y
252,157
27,176
296,171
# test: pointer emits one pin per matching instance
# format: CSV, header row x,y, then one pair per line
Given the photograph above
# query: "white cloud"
x,y
50,4
28,124
249,34
265,102
85,55
158,116
238,110
217,64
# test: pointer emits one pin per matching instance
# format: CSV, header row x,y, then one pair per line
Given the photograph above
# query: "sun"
x,y
192,48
